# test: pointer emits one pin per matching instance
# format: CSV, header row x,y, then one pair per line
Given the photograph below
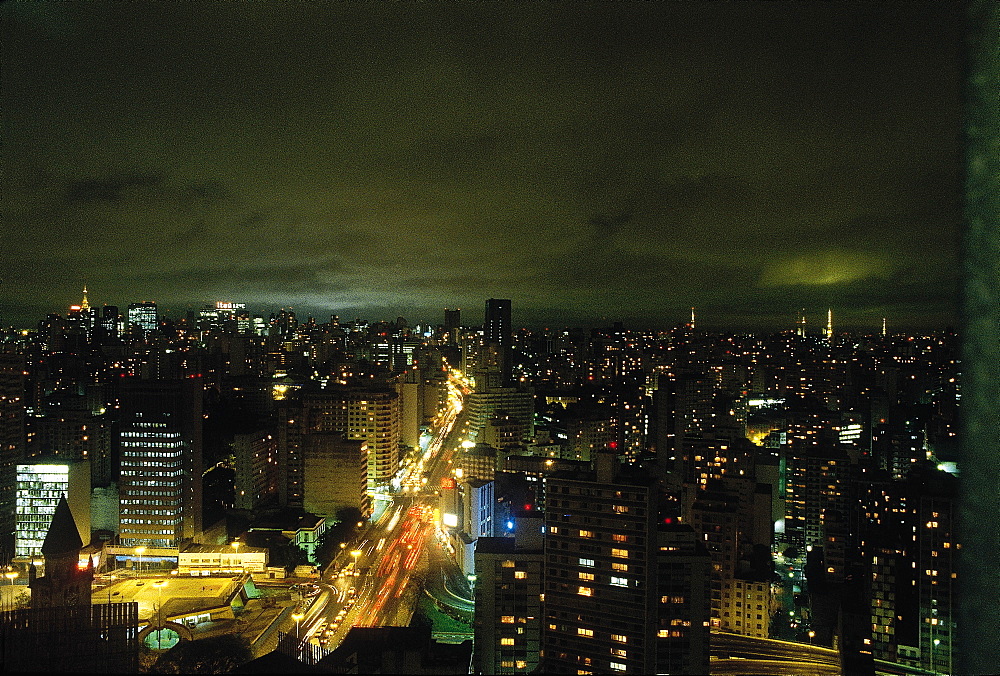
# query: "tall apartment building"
x,y
816,485
508,594
161,462
256,470
613,579
369,415
336,474
909,543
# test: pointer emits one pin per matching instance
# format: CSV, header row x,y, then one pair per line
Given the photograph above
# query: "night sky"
x,y
592,162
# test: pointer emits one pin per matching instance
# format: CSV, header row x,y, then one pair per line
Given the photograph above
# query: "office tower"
x,y
12,441
616,601
336,474
452,324
508,591
41,485
161,462
142,317
110,321
498,332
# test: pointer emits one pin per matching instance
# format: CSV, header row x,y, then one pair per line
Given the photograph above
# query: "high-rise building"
x,y
142,317
161,462
336,474
498,331
12,441
624,591
508,591
255,456
371,415
40,487
452,324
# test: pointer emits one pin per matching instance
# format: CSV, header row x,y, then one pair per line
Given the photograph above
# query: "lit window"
x,y
520,575
618,666
589,563
663,633
620,509
584,632
507,619
619,566
619,652
589,577
620,553
586,533
585,591
618,537
619,581
621,638
521,664
506,641
507,564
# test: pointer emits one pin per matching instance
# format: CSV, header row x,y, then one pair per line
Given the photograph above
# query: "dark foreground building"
x,y
83,639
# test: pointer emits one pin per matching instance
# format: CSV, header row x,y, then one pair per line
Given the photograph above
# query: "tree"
x,y
214,655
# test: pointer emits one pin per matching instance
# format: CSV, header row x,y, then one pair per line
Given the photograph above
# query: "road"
x,y
378,581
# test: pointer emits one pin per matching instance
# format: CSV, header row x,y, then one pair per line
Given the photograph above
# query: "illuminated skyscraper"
x,y
143,317
40,487
497,331
161,462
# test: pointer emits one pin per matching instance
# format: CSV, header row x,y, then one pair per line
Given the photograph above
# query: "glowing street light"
x,y
811,635
298,618
11,575
236,549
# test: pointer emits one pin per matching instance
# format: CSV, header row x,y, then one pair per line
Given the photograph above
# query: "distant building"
x,y
143,317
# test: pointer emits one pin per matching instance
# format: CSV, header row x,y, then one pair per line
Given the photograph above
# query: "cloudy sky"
x,y
592,162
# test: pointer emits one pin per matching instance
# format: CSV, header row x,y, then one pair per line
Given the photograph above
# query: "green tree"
x,y
214,655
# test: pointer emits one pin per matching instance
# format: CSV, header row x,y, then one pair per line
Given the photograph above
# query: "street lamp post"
x,y
236,550
159,584
298,618
140,551
11,575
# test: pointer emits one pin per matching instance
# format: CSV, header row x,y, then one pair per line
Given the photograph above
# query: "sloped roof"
x,y
63,536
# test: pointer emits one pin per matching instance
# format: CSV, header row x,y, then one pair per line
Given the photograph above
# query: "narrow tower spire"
x,y
829,324
692,319
883,327
85,305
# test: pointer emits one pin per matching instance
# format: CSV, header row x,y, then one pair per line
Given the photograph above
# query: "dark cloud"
x,y
580,158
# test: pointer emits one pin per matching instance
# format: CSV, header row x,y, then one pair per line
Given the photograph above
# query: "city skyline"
x,y
592,162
